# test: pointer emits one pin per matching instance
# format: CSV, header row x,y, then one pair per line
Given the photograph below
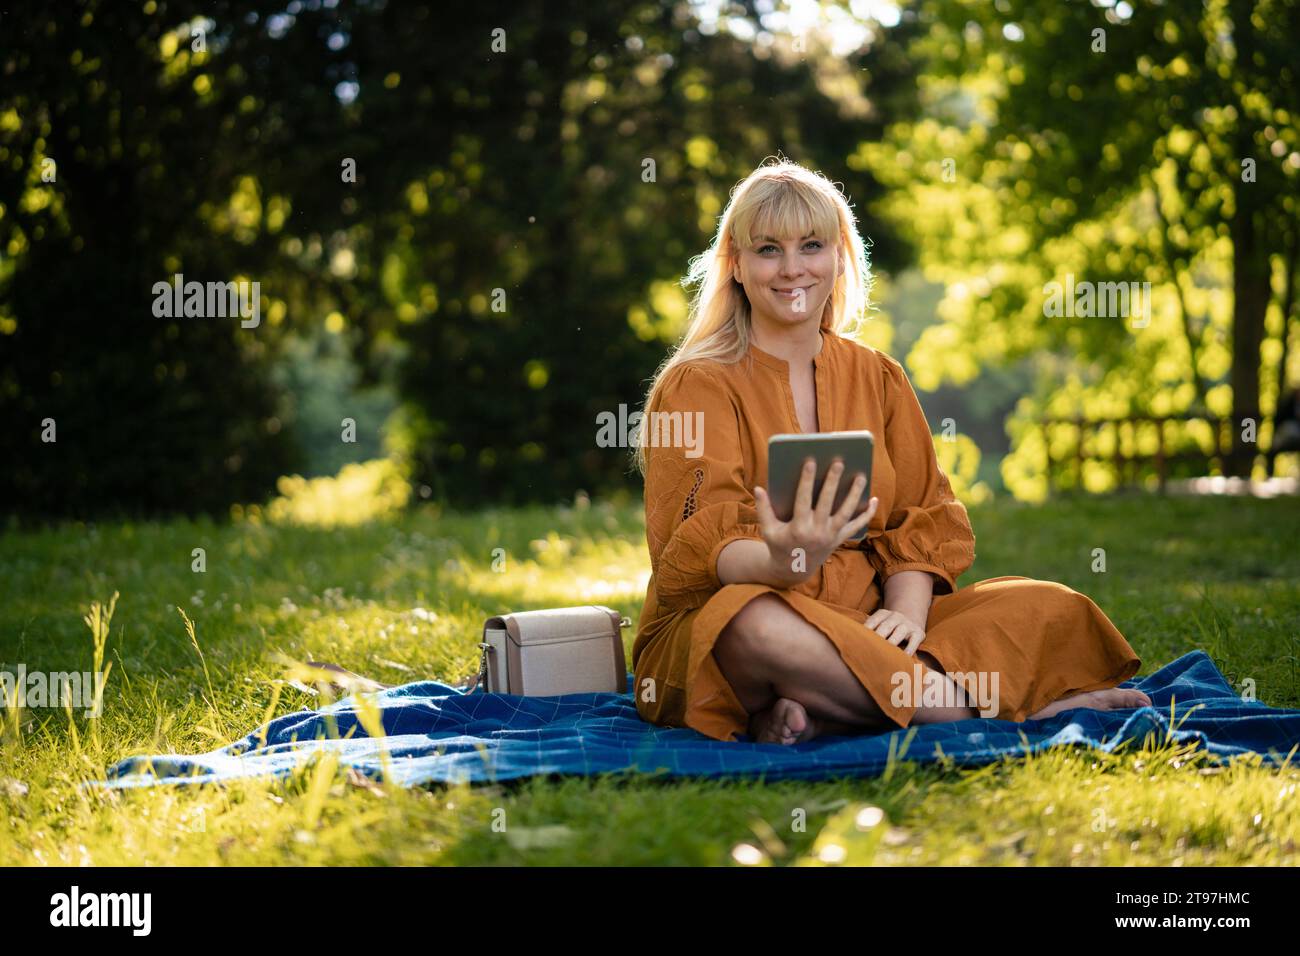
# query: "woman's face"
x,y
788,280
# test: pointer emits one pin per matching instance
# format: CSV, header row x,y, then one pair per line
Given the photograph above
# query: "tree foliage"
x,y
1110,144
495,201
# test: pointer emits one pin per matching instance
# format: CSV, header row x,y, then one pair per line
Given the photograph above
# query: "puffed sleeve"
x,y
927,528
696,498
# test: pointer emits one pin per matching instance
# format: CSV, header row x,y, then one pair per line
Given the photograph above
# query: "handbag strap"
x,y
480,679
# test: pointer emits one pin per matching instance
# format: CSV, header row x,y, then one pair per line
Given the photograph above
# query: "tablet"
x,y
785,458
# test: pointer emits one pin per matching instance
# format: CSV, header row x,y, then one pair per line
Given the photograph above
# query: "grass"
x,y
406,599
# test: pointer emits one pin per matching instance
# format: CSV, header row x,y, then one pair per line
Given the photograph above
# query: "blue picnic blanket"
x,y
436,733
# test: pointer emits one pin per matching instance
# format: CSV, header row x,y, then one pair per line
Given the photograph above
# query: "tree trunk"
x,y
1288,306
1288,303
1251,292
1250,265
1176,260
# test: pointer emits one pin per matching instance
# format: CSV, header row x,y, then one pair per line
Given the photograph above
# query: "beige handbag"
x,y
565,650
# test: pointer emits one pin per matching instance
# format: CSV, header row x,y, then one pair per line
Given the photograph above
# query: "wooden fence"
x,y
1128,465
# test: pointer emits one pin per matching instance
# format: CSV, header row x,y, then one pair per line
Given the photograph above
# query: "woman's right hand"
x,y
816,530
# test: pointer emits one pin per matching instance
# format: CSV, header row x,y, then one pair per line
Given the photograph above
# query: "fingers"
x,y
861,521
803,494
896,629
767,518
829,487
884,622
905,633
851,499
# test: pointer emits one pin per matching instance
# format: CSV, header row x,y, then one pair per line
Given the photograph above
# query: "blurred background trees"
x,y
468,225
508,169
1152,143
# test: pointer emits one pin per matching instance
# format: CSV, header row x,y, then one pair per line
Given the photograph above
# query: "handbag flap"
x,y
554,625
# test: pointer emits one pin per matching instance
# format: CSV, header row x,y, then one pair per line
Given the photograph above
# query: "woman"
x,y
735,636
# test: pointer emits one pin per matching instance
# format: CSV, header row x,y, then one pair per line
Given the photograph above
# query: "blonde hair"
x,y
781,199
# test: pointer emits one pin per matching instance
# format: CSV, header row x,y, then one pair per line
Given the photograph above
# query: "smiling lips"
x,y
792,292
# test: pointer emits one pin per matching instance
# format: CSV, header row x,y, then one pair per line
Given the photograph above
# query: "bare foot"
x,y
785,722
1114,698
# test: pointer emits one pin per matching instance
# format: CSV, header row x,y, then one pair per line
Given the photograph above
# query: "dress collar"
x,y
780,364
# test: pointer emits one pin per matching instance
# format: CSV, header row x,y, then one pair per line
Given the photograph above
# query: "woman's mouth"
x,y
792,292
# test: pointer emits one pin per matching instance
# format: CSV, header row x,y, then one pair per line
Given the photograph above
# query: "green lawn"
x,y
406,599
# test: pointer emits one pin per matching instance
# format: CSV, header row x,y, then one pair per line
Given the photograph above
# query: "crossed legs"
x,y
793,682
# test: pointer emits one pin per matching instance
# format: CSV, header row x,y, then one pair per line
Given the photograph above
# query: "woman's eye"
x,y
816,242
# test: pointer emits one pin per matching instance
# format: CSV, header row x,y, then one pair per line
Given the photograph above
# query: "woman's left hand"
x,y
897,628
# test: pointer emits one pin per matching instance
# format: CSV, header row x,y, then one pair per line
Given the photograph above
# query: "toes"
x,y
771,726
796,718
789,721
785,722
1127,698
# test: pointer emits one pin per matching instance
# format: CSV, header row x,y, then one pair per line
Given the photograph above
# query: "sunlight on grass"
x,y
360,492
1163,806
405,599
563,571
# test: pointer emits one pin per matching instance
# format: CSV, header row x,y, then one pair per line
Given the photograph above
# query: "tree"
x,y
565,177
1154,144
495,203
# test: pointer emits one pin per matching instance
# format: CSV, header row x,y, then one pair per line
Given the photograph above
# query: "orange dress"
x,y
1043,639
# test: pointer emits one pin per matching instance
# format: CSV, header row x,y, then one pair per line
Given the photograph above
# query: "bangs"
x,y
786,210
